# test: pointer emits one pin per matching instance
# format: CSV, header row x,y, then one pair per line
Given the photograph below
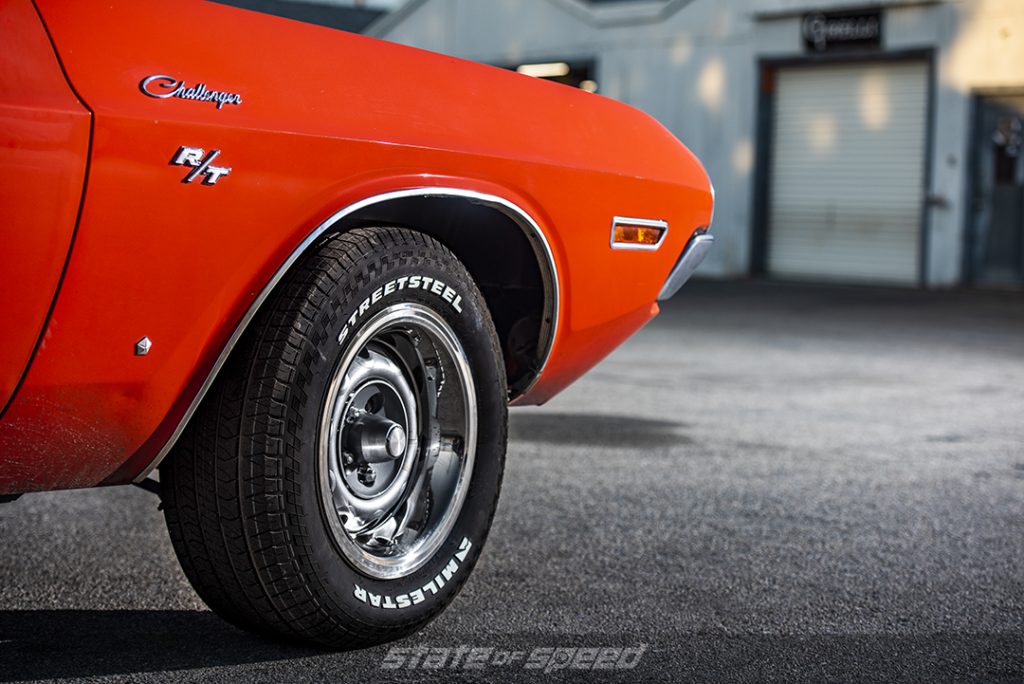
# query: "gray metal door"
x,y
996,244
847,172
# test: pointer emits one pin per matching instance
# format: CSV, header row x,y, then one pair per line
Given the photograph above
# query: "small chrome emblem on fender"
x,y
201,165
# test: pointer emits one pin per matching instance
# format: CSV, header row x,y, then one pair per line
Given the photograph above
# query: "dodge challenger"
x,y
291,279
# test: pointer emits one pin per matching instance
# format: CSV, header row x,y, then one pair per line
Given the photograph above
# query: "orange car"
x,y
304,273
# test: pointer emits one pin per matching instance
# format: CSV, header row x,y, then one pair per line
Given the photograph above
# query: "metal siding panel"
x,y
847,172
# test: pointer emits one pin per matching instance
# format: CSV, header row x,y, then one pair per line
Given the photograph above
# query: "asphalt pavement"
x,y
769,482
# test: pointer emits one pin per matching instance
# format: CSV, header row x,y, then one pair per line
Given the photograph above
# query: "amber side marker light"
x,y
630,233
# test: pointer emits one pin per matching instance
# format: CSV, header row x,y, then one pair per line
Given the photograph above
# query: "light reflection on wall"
x,y
711,84
822,130
988,50
874,99
743,156
682,50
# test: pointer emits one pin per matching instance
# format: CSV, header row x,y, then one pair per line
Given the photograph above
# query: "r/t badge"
x,y
201,163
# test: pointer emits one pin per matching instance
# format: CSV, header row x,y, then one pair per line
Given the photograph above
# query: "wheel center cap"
x,y
396,441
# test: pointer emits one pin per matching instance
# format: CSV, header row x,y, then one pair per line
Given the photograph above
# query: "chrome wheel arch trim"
x,y
512,210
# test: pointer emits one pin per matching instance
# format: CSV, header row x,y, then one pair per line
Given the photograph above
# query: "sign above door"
x,y
829,31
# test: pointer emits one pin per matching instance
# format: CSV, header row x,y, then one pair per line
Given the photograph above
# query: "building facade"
x,y
876,142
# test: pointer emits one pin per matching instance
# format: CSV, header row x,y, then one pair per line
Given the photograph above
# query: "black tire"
x,y
242,489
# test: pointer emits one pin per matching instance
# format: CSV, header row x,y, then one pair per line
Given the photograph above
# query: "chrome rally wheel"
x,y
395,460
339,481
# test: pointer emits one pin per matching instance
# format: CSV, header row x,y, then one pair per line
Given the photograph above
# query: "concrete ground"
x,y
769,482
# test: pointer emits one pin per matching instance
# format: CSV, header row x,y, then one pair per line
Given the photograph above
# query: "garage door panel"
x,y
847,172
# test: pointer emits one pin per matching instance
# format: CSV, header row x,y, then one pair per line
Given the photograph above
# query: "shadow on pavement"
x,y
46,644
597,430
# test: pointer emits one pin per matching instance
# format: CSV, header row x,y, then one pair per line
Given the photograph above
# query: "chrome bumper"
x,y
694,252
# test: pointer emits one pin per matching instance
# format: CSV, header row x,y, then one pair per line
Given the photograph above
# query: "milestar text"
x,y
419,595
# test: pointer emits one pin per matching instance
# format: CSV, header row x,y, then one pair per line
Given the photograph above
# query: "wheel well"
x,y
501,247
507,258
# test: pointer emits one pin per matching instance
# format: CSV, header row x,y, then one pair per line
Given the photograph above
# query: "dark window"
x,y
1008,140
575,73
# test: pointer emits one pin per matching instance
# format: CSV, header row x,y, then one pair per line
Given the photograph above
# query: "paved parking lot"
x,y
770,482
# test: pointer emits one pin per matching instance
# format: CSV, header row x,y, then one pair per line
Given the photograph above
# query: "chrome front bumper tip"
x,y
694,252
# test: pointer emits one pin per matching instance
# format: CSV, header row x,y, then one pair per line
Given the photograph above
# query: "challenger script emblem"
x,y
163,87
201,165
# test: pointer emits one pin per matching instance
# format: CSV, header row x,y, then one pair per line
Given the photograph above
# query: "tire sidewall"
x,y
423,593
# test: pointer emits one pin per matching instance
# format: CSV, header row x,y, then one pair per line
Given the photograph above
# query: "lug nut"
x,y
366,475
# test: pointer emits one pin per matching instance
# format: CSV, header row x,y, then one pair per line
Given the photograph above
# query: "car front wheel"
x,y
337,484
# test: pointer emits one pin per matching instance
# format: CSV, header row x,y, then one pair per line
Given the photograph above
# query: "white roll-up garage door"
x,y
847,172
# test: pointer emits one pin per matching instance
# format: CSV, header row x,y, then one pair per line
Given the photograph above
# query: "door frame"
x,y
968,273
767,70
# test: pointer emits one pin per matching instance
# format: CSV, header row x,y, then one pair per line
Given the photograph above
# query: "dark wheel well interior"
x,y
505,259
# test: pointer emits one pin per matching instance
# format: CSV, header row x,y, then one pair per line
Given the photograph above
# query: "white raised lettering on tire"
x,y
417,595
416,282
